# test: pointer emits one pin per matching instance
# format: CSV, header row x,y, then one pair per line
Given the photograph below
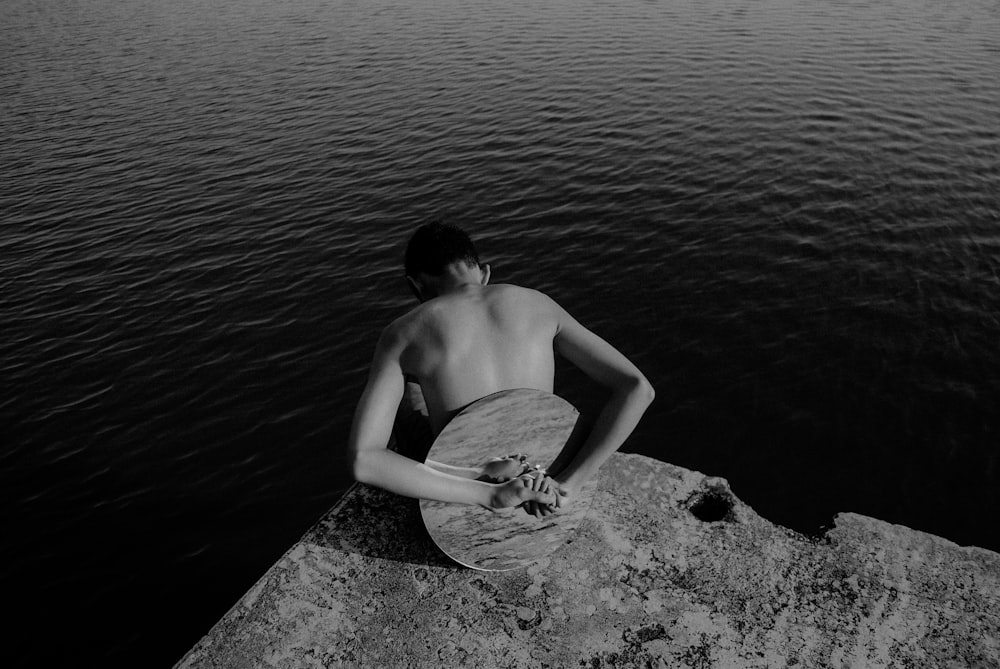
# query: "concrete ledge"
x,y
645,583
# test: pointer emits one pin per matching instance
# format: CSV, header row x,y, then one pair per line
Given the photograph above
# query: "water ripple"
x,y
793,204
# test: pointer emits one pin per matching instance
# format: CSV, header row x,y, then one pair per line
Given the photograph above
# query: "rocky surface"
x,y
668,570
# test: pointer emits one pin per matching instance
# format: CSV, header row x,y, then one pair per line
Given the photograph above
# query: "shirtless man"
x,y
465,341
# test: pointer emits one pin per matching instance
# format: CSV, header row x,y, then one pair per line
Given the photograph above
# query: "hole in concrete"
x,y
711,506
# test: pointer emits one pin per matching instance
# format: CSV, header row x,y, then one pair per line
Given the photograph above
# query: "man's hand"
x,y
500,470
524,488
561,501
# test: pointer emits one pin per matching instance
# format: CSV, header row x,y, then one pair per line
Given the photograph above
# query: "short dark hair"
x,y
436,245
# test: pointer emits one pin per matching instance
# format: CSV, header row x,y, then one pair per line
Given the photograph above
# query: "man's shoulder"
x,y
432,314
511,291
528,304
411,325
403,326
536,301
403,330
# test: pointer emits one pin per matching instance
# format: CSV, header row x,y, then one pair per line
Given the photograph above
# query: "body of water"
x,y
787,213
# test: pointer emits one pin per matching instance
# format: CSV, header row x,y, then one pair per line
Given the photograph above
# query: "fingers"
x,y
542,483
540,491
539,495
538,509
504,468
538,485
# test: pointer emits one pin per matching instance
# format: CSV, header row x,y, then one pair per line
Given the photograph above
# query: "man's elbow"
x,y
643,390
359,464
649,393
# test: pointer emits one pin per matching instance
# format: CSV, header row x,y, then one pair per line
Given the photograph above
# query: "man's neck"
x,y
456,279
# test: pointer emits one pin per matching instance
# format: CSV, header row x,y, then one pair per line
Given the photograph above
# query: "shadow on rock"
x,y
377,524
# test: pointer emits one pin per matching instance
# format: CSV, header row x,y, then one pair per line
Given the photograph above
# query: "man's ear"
x,y
415,287
485,269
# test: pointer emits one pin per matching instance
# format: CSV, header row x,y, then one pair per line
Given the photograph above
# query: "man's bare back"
x,y
467,340
481,340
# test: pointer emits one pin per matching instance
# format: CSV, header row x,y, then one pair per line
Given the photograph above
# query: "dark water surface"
x,y
787,213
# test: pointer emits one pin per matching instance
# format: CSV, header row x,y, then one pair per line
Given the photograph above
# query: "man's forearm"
x,y
454,470
619,416
393,472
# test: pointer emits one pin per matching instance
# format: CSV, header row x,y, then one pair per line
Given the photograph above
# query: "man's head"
x,y
438,254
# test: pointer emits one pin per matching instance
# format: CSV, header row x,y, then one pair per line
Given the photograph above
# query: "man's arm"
x,y
631,394
374,464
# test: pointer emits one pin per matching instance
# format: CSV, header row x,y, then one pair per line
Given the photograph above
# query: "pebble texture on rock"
x,y
668,570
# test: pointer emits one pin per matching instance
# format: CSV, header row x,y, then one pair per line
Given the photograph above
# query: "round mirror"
x,y
533,423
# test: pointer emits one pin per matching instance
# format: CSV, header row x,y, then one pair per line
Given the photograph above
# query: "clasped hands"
x,y
520,483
